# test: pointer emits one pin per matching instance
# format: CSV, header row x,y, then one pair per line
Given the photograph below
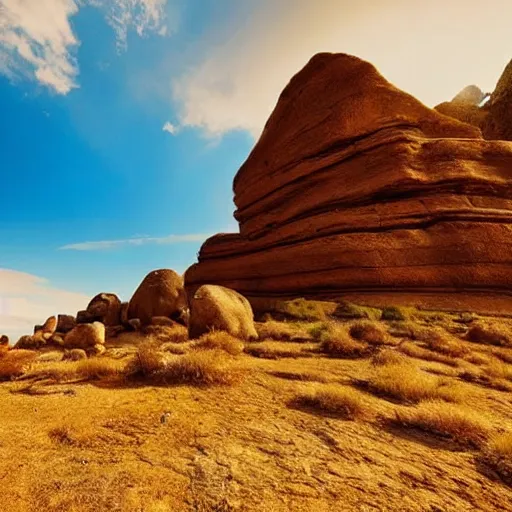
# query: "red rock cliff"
x,y
357,190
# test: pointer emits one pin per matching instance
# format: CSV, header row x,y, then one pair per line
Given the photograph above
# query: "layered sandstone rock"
x,y
357,190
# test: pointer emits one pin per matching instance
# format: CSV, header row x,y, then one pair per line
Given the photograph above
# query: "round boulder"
x,y
85,336
105,308
65,323
4,340
217,308
161,293
30,342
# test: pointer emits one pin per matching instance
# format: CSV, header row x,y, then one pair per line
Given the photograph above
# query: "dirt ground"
x,y
99,446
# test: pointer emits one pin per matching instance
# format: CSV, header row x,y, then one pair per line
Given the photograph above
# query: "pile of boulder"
x,y
160,300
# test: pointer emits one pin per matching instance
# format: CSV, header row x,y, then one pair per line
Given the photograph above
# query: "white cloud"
x,y
26,300
37,36
431,50
37,40
113,244
141,15
170,128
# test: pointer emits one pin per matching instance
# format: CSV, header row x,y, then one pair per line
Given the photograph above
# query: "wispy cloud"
x,y
114,244
37,40
26,300
170,128
238,81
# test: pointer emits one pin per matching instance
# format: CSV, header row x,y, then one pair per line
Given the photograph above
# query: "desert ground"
x,y
408,412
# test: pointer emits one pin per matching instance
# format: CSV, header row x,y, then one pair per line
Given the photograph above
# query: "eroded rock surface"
x,y
357,190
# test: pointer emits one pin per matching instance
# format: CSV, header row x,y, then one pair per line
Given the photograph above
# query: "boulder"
x,y
357,191
75,354
65,323
4,340
57,339
161,293
112,331
46,330
105,308
218,308
84,317
85,336
29,342
124,313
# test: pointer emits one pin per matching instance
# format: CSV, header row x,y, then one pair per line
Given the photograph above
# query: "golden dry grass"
x,y
505,354
460,424
497,333
283,331
333,399
199,368
414,350
497,454
336,341
176,333
93,368
404,382
219,340
370,332
276,350
202,368
387,356
443,342
14,363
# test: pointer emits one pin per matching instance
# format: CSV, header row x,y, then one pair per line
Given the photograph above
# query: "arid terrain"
x,y
398,410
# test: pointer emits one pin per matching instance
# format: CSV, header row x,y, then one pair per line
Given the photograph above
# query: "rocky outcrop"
x,y
65,323
105,308
220,309
494,117
161,293
86,336
357,190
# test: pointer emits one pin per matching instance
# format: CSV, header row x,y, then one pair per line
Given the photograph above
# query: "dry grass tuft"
x,y
282,331
443,342
202,368
503,353
199,368
220,340
333,399
498,334
413,350
373,333
99,367
497,454
337,342
406,383
14,363
478,358
387,356
176,333
394,313
457,423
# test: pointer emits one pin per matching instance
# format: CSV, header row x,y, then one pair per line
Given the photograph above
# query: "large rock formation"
x,y
494,117
357,190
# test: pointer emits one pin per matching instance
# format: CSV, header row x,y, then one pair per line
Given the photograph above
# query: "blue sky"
x,y
123,122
